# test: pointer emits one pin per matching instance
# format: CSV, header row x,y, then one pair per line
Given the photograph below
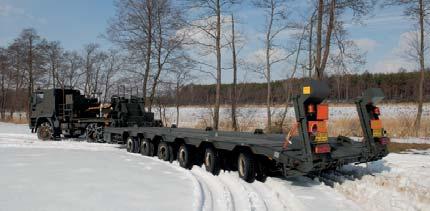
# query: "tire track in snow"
x,y
207,202
221,197
255,200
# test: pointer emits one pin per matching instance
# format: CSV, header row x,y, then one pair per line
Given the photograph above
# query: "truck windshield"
x,y
39,97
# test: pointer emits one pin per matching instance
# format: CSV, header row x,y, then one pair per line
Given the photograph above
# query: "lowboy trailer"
x,y
307,149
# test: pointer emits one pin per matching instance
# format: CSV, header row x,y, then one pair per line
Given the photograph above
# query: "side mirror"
x,y
33,99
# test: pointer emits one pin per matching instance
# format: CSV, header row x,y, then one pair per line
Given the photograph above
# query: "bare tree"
x,y
4,73
113,65
133,29
30,44
213,9
288,85
73,69
93,62
327,13
53,53
181,69
276,22
234,91
167,39
418,10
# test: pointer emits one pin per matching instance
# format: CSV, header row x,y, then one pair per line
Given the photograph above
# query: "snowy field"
x,y
257,114
75,175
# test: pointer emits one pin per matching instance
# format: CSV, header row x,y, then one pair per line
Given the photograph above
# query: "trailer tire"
x,y
185,156
163,151
212,161
45,131
131,145
147,148
261,172
246,166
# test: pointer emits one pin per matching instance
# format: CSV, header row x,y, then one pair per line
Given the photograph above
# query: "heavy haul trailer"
x,y
256,155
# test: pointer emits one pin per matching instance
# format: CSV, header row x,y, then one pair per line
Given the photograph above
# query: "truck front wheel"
x,y
44,131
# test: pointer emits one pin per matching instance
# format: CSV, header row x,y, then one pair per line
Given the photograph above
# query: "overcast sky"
x,y
77,22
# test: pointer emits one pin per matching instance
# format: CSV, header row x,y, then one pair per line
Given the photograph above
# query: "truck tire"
x,y
45,131
246,166
131,145
185,156
91,133
212,161
147,148
164,151
261,172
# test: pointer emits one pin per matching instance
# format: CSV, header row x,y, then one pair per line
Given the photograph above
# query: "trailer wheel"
x,y
185,156
261,172
44,131
147,148
131,145
246,166
212,161
164,151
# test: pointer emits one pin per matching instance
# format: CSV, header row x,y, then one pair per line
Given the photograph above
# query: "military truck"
x,y
67,112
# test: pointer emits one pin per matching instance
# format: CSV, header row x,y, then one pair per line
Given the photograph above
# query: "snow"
x,y
425,140
192,116
75,175
398,182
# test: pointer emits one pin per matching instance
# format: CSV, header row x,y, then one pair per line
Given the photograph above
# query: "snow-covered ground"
x,y
75,175
191,116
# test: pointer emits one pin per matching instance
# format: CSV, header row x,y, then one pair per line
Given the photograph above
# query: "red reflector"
x,y
384,140
322,148
377,111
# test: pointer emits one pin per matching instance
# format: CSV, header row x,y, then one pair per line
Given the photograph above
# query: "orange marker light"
x,y
311,108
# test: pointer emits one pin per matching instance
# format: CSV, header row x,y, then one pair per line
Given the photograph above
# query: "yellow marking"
x,y
321,138
306,90
377,133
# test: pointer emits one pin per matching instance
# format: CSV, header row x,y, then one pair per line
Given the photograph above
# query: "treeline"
x,y
161,46
398,87
31,62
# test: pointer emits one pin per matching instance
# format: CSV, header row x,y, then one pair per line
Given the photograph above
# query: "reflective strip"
x,y
377,133
306,90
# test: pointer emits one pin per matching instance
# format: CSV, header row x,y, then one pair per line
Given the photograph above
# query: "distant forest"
x,y
398,87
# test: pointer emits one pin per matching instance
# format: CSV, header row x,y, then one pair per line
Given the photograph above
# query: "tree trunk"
x,y
234,94
311,27
268,70
30,75
329,32
159,64
3,100
148,48
289,88
319,38
417,123
177,101
218,65
322,58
